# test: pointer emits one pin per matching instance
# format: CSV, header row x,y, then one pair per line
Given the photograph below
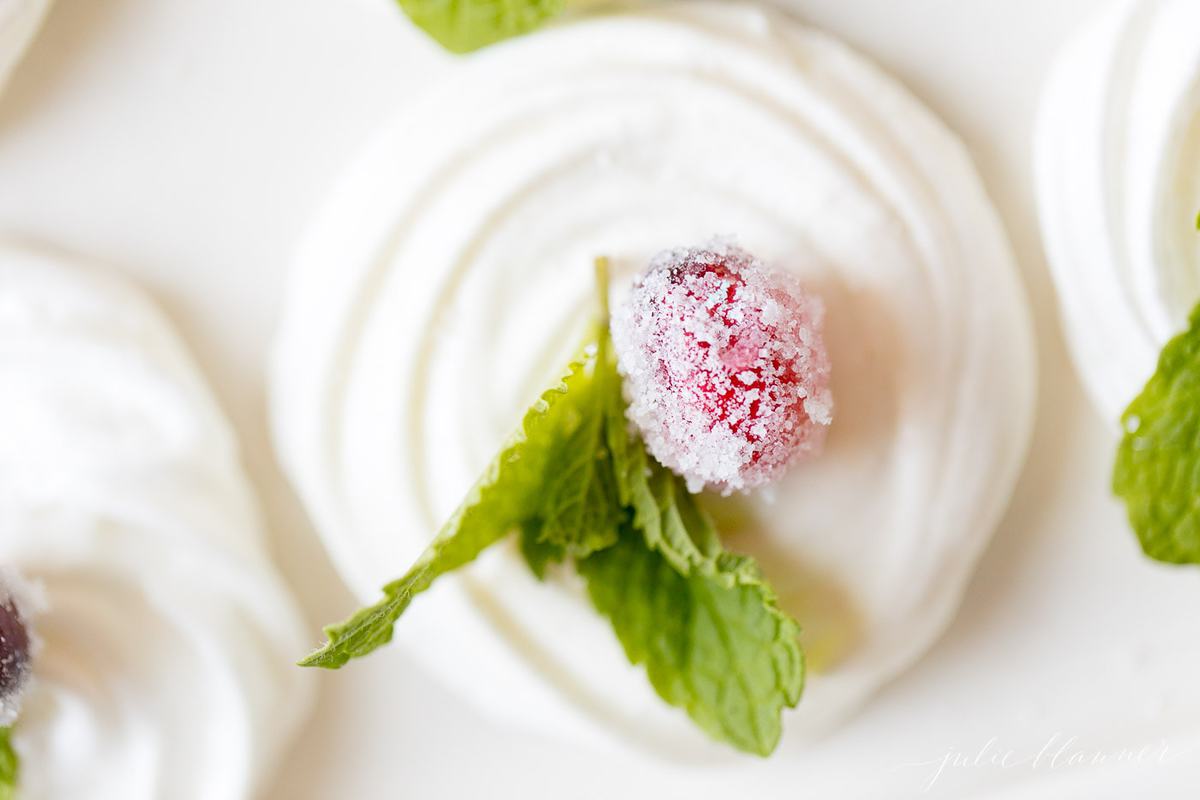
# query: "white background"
x,y
187,143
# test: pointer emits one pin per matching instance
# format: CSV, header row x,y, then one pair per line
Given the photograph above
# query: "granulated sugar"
x,y
725,368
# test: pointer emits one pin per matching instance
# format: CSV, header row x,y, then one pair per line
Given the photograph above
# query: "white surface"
x,y
192,142
1118,171
164,631
450,276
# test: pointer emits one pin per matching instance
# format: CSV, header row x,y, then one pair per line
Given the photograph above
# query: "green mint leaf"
x,y
461,26
580,507
10,766
537,552
1157,471
715,645
507,498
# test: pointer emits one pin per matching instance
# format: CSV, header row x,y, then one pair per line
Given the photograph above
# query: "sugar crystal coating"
x,y
725,367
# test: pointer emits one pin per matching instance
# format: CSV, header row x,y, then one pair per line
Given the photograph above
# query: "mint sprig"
x,y
461,26
507,498
580,510
1157,471
10,766
714,643
576,483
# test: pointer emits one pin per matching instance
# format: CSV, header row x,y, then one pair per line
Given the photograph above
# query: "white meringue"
x,y
167,638
1118,185
450,275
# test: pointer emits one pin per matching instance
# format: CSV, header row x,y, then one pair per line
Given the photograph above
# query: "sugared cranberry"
x,y
15,651
725,368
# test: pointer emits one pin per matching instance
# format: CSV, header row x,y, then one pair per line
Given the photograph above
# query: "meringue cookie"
x,y
167,638
1118,185
449,278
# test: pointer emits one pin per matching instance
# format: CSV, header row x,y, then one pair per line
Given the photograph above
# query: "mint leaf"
x,y
580,505
1157,471
715,645
507,498
465,25
537,552
576,481
10,766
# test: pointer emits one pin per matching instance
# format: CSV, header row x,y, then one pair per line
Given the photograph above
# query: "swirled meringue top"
x,y
167,639
1118,183
449,278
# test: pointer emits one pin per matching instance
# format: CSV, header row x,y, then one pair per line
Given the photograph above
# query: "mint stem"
x,y
602,286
